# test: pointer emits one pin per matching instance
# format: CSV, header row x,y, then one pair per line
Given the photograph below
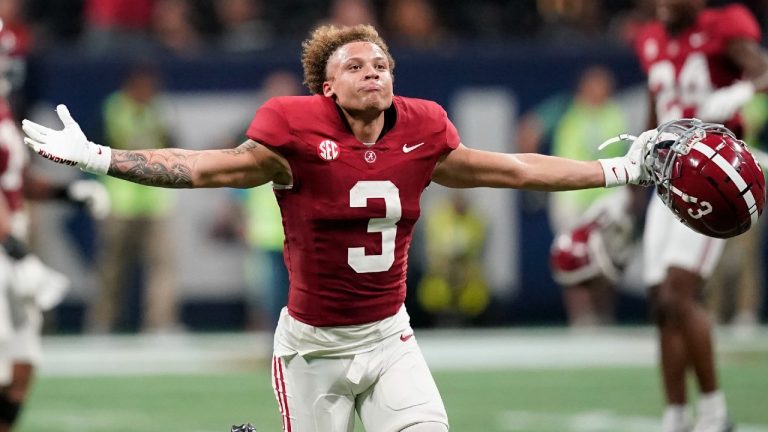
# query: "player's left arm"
x,y
752,59
749,57
465,167
740,32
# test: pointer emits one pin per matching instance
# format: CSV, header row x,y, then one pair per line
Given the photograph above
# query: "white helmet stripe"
x,y
733,175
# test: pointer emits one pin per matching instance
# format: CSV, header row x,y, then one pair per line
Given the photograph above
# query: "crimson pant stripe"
x,y
278,391
285,396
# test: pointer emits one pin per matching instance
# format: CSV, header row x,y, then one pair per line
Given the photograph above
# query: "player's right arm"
x,y
248,165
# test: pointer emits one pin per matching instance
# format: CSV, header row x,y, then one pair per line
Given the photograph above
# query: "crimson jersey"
x,y
350,213
684,69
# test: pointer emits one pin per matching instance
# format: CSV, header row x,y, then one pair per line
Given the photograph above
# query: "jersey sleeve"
x,y
270,126
738,22
452,139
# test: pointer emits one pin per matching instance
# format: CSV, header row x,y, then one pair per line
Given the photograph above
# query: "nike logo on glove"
x,y
405,338
407,149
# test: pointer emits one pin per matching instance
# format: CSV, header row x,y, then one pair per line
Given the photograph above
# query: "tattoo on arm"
x,y
242,148
170,168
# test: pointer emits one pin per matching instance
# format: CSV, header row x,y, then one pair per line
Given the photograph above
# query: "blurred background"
x,y
208,262
207,65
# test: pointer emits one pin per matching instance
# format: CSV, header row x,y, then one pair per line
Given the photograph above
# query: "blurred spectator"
x,y
572,20
137,233
574,123
351,12
54,22
254,218
454,288
117,25
173,27
413,23
243,25
294,18
625,24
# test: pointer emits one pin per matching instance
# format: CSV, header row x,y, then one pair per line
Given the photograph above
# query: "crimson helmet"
x,y
707,177
579,255
601,244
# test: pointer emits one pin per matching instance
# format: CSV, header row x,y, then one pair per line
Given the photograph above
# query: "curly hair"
x,y
324,41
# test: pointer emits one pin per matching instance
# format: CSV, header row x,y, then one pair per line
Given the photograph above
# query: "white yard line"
x,y
588,421
443,349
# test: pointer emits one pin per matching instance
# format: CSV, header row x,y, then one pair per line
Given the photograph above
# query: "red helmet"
x,y
579,255
600,245
707,177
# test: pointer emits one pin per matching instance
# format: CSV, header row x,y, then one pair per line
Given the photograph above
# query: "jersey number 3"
x,y
359,195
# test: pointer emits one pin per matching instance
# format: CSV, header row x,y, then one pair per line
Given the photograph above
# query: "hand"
x,y
68,146
31,280
723,103
630,168
93,195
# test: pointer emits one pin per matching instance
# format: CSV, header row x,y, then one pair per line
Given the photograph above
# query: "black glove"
x,y
15,248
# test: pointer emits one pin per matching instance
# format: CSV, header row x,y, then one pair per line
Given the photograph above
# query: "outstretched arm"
x,y
248,165
465,167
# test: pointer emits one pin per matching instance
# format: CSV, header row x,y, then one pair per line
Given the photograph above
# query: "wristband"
x,y
99,159
614,171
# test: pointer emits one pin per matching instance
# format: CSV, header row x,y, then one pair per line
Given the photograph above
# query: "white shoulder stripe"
x,y
734,175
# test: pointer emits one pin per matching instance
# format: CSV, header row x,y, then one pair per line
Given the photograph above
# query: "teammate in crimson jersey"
x,y
703,63
27,286
348,165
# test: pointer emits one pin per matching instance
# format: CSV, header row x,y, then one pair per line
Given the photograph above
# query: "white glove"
x,y
630,168
723,103
68,146
35,281
91,193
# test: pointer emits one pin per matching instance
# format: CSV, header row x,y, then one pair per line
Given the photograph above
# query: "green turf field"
x,y
522,397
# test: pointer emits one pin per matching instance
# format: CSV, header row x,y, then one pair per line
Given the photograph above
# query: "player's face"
x,y
359,77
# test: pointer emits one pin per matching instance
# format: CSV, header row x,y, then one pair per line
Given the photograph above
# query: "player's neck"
x,y
365,127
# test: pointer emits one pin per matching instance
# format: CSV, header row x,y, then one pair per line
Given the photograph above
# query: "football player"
x,y
28,287
349,164
704,63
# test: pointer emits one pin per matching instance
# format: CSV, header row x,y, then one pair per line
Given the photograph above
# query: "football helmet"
x,y
707,177
601,243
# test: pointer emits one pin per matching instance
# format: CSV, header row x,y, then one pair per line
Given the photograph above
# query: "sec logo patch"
x,y
328,150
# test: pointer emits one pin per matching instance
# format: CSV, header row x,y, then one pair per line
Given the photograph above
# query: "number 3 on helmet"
x,y
707,177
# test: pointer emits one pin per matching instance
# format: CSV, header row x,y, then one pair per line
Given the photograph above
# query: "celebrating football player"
x,y
703,63
348,164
